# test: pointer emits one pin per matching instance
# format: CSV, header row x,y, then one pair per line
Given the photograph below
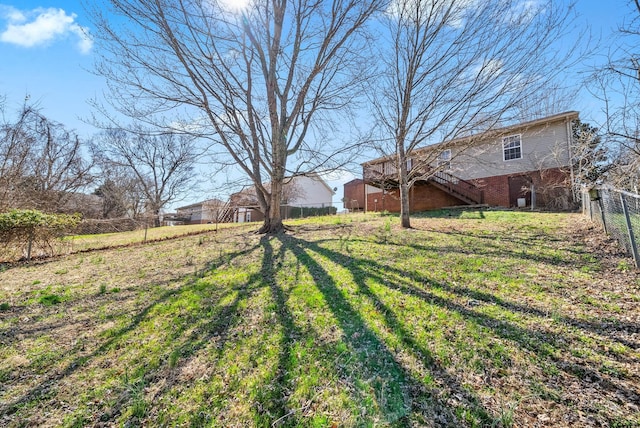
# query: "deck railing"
x,y
464,190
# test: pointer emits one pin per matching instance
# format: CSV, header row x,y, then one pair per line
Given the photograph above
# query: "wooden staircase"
x,y
457,187
463,190
226,213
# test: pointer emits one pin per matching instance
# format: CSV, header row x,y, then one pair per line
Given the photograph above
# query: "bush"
x,y
22,230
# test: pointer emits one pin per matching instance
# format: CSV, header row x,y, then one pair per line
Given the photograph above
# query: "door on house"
x,y
519,187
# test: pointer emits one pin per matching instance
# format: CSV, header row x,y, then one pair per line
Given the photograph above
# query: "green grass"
x,y
106,240
471,319
80,243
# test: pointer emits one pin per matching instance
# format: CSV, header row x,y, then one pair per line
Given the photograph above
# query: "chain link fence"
x,y
94,234
618,212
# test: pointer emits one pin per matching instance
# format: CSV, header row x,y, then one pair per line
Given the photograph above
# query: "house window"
x,y
512,147
444,159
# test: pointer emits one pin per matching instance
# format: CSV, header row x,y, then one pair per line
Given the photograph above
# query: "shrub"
x,y
25,230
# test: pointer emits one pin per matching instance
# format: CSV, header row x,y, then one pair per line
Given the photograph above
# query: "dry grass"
x,y
470,319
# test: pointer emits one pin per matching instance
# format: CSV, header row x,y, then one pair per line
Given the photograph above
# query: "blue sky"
x,y
46,52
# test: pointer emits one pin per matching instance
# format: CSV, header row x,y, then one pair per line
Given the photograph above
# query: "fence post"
x,y
632,239
604,220
30,244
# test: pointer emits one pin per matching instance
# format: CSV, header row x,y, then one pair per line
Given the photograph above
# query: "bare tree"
x,y
264,83
41,163
120,192
454,68
617,85
15,152
163,164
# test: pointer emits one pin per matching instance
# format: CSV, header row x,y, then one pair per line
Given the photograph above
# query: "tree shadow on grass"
x,y
372,369
375,369
539,240
273,407
362,337
215,325
486,249
608,329
551,348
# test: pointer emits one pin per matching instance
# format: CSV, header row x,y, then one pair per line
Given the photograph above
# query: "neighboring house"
x,y
245,206
521,165
209,211
300,192
309,191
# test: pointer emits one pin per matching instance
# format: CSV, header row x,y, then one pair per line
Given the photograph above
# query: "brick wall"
x,y
425,197
552,188
552,191
496,190
422,197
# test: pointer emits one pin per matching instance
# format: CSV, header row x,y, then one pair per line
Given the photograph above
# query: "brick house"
x,y
528,164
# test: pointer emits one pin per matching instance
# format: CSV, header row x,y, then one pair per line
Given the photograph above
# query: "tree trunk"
x,y
272,214
403,180
405,220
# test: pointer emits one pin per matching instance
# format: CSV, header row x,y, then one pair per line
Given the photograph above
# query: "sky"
x,y
47,54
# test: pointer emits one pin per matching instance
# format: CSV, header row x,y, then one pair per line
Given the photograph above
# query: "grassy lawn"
x,y
107,240
471,319
82,243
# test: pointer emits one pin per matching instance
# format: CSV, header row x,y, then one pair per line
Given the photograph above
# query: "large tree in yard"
x,y
264,82
455,68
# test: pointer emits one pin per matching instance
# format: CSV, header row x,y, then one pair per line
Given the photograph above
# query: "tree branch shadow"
x,y
441,411
540,343
82,358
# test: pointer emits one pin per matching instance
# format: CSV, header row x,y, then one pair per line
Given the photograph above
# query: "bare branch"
x,y
261,83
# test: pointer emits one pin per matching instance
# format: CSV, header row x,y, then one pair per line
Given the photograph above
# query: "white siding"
x,y
314,192
543,147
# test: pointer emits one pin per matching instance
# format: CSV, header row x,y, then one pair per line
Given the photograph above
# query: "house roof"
x,y
201,204
316,176
492,133
354,181
247,196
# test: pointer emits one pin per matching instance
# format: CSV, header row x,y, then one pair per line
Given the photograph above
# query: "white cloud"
x,y
524,12
490,68
452,13
40,27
